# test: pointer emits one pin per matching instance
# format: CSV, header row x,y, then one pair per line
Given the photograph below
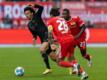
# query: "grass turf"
x,y
30,59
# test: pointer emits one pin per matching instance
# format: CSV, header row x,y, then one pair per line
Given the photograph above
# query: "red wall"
x,y
97,36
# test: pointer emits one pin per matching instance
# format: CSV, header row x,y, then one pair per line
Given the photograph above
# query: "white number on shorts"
x,y
82,44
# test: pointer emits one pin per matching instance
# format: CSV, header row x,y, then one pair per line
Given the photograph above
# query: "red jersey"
x,y
75,25
60,28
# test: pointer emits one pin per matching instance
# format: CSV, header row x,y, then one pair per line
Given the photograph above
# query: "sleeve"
x,y
33,34
40,9
79,22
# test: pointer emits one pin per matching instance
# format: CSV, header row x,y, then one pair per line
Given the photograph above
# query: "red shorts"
x,y
81,44
66,48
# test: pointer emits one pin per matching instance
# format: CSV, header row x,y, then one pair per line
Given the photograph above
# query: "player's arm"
x,y
82,27
40,9
51,38
50,35
34,40
34,37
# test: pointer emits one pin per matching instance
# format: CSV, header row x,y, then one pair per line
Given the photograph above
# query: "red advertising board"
x,y
14,36
24,36
97,36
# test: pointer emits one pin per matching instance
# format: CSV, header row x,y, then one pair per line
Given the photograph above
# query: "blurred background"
x,y
13,23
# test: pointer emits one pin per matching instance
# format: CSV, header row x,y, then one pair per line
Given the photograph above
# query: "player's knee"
x,y
44,47
53,47
42,50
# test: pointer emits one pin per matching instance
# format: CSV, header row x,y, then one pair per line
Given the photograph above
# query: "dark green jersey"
x,y
37,26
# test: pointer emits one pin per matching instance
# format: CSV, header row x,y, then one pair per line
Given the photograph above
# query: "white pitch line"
x,y
97,45
38,45
18,45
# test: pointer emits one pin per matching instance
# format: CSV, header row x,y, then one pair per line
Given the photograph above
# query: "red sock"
x,y
65,64
87,56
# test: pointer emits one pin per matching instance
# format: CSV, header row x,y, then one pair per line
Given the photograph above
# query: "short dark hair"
x,y
55,12
67,10
30,9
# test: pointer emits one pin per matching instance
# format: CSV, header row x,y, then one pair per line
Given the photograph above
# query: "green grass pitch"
x,y
30,59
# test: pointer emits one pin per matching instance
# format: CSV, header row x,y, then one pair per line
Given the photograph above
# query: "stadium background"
x,y
13,24
14,32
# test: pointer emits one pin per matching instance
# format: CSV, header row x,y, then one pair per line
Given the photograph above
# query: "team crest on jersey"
x,y
73,23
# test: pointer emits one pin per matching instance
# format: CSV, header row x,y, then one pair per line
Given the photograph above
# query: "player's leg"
x,y
83,49
63,54
43,49
71,58
81,72
52,54
77,69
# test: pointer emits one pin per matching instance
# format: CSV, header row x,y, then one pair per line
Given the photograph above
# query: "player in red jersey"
x,y
77,28
59,27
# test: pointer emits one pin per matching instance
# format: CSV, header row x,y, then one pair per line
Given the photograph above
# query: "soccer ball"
x,y
19,71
